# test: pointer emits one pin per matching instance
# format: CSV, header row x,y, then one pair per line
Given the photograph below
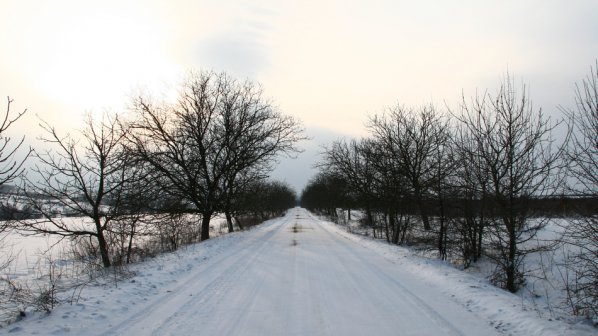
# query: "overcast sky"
x,y
330,64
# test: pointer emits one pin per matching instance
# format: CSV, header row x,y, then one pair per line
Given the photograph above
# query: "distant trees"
x,y
397,171
583,149
218,131
122,190
411,145
158,172
582,157
411,141
470,189
511,147
468,182
353,161
262,200
86,180
10,166
325,193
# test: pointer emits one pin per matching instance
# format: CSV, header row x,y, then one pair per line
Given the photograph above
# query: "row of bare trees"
x,y
468,181
164,168
12,158
582,156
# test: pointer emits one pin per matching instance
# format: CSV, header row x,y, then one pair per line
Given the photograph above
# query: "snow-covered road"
x,y
296,277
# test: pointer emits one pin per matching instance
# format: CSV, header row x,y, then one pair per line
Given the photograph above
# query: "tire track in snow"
x,y
319,300
412,297
352,280
210,295
248,301
139,321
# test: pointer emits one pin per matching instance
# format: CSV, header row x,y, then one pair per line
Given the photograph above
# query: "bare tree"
x,y
181,144
513,145
394,194
470,185
413,139
583,149
10,166
445,163
253,134
265,199
138,209
582,155
236,187
399,170
79,177
351,161
324,193
200,145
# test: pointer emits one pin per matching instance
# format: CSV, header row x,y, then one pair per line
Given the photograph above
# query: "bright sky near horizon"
x,y
328,63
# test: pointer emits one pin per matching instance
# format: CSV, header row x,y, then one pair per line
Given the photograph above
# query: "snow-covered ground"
x,y
30,254
547,270
296,275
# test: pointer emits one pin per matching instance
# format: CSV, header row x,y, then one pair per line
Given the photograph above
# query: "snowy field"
x,y
32,253
295,275
548,270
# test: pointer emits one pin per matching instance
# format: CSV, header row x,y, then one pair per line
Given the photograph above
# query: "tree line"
x,y
478,181
163,170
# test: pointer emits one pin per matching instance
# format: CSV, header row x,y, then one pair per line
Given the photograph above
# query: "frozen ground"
x,y
548,271
295,275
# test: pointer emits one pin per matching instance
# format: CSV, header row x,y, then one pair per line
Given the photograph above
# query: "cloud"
x,y
242,56
239,45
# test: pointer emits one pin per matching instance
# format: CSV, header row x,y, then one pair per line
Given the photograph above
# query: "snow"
x,y
509,313
295,275
32,253
547,270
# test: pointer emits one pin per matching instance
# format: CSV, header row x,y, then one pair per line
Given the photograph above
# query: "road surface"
x,y
297,276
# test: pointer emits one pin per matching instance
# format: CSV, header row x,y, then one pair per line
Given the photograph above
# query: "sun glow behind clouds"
x,y
95,56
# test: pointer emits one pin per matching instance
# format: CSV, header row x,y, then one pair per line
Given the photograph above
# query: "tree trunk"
x,y
424,215
397,229
422,208
405,227
442,240
130,245
229,221
442,236
239,223
102,244
205,225
388,222
478,251
511,267
481,226
368,213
